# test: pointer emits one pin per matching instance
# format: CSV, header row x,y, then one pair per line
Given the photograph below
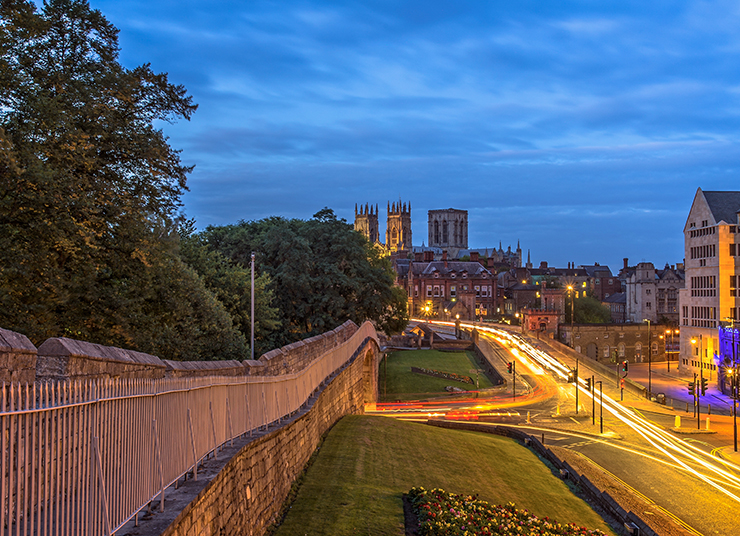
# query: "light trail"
x,y
680,452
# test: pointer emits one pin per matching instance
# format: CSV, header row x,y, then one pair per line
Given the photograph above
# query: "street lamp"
x,y
252,312
572,312
701,379
650,360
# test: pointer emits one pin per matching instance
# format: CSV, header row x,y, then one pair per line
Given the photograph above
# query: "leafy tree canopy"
x,y
589,310
321,273
90,190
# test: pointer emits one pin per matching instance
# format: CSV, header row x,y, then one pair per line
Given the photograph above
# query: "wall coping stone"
x,y
202,365
11,341
64,347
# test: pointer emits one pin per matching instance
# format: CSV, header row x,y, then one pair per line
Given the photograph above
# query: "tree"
x,y
231,283
589,310
90,191
322,272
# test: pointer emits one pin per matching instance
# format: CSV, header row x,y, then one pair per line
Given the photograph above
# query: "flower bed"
x,y
445,375
442,514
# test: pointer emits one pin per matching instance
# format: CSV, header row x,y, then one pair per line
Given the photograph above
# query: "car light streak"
x,y
676,450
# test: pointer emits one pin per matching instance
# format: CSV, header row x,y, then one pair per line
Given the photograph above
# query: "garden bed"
x,y
439,513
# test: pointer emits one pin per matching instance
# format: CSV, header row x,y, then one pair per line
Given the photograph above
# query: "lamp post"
x,y
251,343
650,360
667,353
601,407
572,312
701,378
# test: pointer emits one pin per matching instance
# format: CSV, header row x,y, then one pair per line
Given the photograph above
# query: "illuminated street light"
x,y
572,312
650,360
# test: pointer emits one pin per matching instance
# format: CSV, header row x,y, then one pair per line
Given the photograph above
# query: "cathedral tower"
x,y
448,228
398,228
366,222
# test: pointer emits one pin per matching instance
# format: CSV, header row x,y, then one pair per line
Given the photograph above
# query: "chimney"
x,y
444,257
474,256
543,265
418,256
490,263
626,263
428,256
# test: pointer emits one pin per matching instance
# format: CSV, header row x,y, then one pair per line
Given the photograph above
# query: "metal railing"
x,y
84,458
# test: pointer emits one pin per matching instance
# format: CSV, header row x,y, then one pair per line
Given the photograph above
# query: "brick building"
x,y
434,287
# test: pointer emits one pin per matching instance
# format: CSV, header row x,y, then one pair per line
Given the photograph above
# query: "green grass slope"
x,y
366,463
401,384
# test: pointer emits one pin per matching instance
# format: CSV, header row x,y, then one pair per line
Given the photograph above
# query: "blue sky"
x,y
580,129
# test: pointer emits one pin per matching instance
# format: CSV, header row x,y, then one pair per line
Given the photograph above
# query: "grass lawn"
x,y
402,384
366,463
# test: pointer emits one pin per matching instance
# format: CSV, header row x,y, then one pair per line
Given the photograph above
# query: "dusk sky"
x,y
580,129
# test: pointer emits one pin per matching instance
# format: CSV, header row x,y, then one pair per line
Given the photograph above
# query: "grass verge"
x,y
366,464
399,383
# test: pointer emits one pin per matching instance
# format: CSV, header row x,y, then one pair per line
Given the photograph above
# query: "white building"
x,y
652,294
712,275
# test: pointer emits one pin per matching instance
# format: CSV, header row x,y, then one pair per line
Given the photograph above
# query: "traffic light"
x,y
625,366
571,376
510,366
692,389
588,384
703,386
621,383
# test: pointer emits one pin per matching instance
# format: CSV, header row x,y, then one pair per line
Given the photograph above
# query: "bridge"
x,y
97,440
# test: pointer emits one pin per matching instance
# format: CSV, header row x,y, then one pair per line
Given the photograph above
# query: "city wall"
x,y
246,496
60,358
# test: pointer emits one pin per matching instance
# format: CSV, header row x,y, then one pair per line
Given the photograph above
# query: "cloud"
x,y
582,129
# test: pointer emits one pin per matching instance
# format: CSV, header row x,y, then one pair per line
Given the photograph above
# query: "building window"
x,y
648,305
453,291
436,291
429,291
733,250
477,291
416,291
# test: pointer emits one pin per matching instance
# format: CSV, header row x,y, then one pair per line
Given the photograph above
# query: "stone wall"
x,y
60,358
245,497
296,356
17,358
629,340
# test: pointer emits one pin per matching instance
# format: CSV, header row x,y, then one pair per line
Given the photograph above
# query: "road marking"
x,y
644,497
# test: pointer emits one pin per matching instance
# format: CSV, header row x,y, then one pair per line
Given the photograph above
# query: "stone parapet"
x,y
195,369
247,494
296,356
60,358
18,358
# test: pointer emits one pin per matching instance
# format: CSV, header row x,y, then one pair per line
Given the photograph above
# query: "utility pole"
x,y
601,407
251,343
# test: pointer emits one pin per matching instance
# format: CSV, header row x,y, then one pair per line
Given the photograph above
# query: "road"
x,y
680,472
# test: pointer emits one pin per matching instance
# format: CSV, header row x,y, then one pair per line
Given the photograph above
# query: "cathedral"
x,y
447,231
398,225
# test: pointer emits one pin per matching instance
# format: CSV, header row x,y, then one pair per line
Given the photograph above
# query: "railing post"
x,y
248,414
231,428
213,429
101,486
264,407
158,454
192,444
